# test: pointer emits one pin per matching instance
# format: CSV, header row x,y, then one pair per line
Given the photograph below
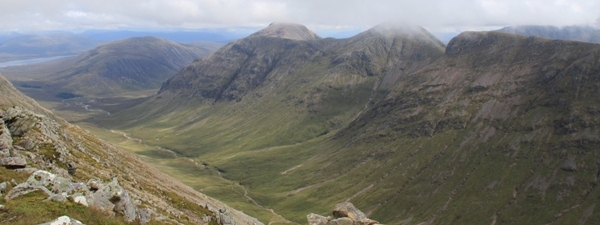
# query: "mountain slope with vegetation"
x,y
51,168
493,128
133,64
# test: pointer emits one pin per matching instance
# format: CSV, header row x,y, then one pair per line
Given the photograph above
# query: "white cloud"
x,y
440,14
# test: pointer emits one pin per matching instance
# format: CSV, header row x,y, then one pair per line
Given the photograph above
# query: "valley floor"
x,y
192,172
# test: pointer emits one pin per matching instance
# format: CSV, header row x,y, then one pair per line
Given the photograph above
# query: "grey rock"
x,y
64,220
80,198
144,215
344,214
225,218
341,221
71,167
13,162
58,197
3,186
5,137
41,178
21,120
28,170
94,185
112,197
25,188
4,153
347,209
315,219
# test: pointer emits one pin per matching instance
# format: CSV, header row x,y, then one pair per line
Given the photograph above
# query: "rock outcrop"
x,y
36,143
343,214
64,220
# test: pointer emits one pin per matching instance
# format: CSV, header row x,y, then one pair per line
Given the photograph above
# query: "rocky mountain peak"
x,y
288,31
403,30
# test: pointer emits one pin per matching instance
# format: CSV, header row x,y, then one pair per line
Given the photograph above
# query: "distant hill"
x,y
219,36
574,33
38,45
127,65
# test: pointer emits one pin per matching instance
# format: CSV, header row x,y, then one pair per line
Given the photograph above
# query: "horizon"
x,y
335,16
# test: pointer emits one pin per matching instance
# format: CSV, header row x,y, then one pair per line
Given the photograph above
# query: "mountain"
x,y
121,66
493,128
50,168
212,35
18,47
574,33
242,98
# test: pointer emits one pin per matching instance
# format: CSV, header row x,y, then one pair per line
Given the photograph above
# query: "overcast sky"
x,y
31,15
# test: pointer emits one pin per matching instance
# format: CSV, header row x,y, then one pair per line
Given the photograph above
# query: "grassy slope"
x,y
480,136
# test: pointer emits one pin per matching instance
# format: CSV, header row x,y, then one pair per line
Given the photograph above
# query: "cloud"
x,y
328,14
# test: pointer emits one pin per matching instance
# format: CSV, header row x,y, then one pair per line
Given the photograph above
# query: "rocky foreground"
x,y
47,161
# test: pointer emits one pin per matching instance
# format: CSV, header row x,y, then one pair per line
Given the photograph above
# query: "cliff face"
x,y
53,167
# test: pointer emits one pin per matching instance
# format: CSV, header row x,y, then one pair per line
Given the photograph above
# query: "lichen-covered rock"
x,y
144,216
344,214
224,217
64,220
19,120
112,197
316,219
3,186
341,221
5,137
13,162
347,209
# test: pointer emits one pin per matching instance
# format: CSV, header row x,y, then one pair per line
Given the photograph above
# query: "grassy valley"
x,y
493,128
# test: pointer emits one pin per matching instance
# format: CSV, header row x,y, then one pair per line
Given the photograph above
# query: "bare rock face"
x,y
344,213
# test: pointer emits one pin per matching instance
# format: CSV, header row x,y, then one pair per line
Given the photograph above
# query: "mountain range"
x,y
127,65
491,128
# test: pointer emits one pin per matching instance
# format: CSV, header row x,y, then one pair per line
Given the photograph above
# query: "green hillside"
x,y
495,128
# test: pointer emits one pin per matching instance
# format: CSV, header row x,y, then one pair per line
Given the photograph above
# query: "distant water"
x,y
31,61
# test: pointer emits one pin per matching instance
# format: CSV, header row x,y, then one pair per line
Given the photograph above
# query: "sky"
x,y
323,15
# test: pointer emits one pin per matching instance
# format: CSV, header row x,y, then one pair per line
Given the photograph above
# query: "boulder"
x,y
316,219
347,209
5,137
13,162
26,188
3,186
112,197
225,218
19,120
71,167
64,220
144,215
341,221
344,214
78,198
